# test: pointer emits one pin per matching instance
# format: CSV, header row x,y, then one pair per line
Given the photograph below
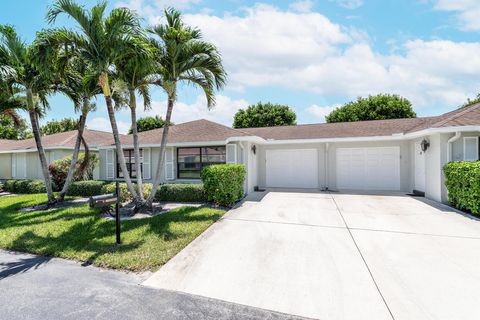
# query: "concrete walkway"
x,y
33,287
336,256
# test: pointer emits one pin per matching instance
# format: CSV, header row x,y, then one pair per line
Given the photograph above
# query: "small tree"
x,y
264,115
57,126
13,129
379,107
149,123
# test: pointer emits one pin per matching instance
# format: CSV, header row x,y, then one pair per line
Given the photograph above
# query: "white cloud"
x,y
320,112
302,6
103,124
349,4
467,12
223,111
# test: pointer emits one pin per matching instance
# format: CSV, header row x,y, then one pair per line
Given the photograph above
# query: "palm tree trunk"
x,y
136,147
103,81
161,160
38,141
76,150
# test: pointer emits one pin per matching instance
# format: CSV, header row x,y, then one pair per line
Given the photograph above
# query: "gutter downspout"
x,y
245,162
449,145
327,145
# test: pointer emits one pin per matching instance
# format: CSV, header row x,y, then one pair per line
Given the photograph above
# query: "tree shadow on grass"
x,y
8,269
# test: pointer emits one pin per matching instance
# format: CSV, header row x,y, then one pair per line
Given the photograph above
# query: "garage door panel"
x,y
292,168
368,168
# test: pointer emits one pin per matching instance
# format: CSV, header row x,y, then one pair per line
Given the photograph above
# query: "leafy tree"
x,y
264,115
57,126
379,107
149,123
13,131
101,40
470,102
183,56
19,68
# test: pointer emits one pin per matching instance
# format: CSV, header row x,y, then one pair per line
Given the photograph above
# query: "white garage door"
x,y
368,168
292,168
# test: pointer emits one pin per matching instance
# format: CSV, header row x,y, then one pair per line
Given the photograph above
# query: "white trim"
x,y
46,149
465,148
178,144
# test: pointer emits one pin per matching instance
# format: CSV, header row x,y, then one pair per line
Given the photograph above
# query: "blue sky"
x,y
311,55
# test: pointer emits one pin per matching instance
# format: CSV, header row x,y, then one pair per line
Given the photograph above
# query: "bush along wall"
x,y
463,185
24,186
223,183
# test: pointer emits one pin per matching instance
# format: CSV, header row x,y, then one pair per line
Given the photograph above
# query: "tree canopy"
x,y
264,115
378,107
57,126
149,123
13,131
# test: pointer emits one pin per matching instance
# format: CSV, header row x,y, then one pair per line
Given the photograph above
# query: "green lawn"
x,y
79,233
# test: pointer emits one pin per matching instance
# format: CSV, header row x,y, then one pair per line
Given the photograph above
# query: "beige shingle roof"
x,y
67,139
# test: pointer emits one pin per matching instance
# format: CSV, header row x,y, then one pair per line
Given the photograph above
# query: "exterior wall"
x,y
261,160
436,158
406,182
5,166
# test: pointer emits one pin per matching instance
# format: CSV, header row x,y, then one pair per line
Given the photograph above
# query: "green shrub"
x,y
59,169
87,188
125,195
9,186
223,183
181,192
1,187
463,185
25,186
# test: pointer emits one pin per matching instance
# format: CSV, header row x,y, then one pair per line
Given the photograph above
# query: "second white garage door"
x,y
292,168
368,168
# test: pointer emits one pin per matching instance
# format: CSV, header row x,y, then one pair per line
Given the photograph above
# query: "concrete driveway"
x,y
336,256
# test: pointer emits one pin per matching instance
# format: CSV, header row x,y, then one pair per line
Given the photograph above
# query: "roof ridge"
x,y
456,115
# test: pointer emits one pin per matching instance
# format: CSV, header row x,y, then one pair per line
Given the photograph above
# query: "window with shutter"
x,y
470,148
14,166
146,166
110,166
169,166
231,153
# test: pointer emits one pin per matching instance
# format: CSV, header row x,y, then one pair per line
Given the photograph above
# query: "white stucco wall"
x,y
5,166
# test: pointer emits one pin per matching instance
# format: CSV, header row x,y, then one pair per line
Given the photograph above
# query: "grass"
x,y
79,233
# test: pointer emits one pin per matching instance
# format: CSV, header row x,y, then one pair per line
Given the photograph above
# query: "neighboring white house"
x,y
386,155
19,158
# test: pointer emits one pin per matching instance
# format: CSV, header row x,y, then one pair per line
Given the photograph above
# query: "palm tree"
x,y
100,41
183,57
19,68
10,102
136,71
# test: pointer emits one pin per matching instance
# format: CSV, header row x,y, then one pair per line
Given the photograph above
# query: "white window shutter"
x,y
147,167
110,166
470,148
14,165
231,153
169,164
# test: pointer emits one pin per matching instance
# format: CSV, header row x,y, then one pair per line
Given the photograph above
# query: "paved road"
x,y
33,287
336,256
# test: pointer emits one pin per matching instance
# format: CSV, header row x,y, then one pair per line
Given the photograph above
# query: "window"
x,y
190,161
130,162
470,148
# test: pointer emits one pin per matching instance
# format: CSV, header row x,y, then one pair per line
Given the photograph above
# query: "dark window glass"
x,y
191,161
129,156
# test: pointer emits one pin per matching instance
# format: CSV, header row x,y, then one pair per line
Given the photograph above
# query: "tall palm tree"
x,y
183,57
136,70
19,68
100,40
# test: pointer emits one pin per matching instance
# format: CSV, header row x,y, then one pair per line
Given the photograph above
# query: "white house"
x,y
386,155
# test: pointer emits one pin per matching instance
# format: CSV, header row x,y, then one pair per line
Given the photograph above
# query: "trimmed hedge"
x,y
24,186
87,188
181,192
223,183
463,185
